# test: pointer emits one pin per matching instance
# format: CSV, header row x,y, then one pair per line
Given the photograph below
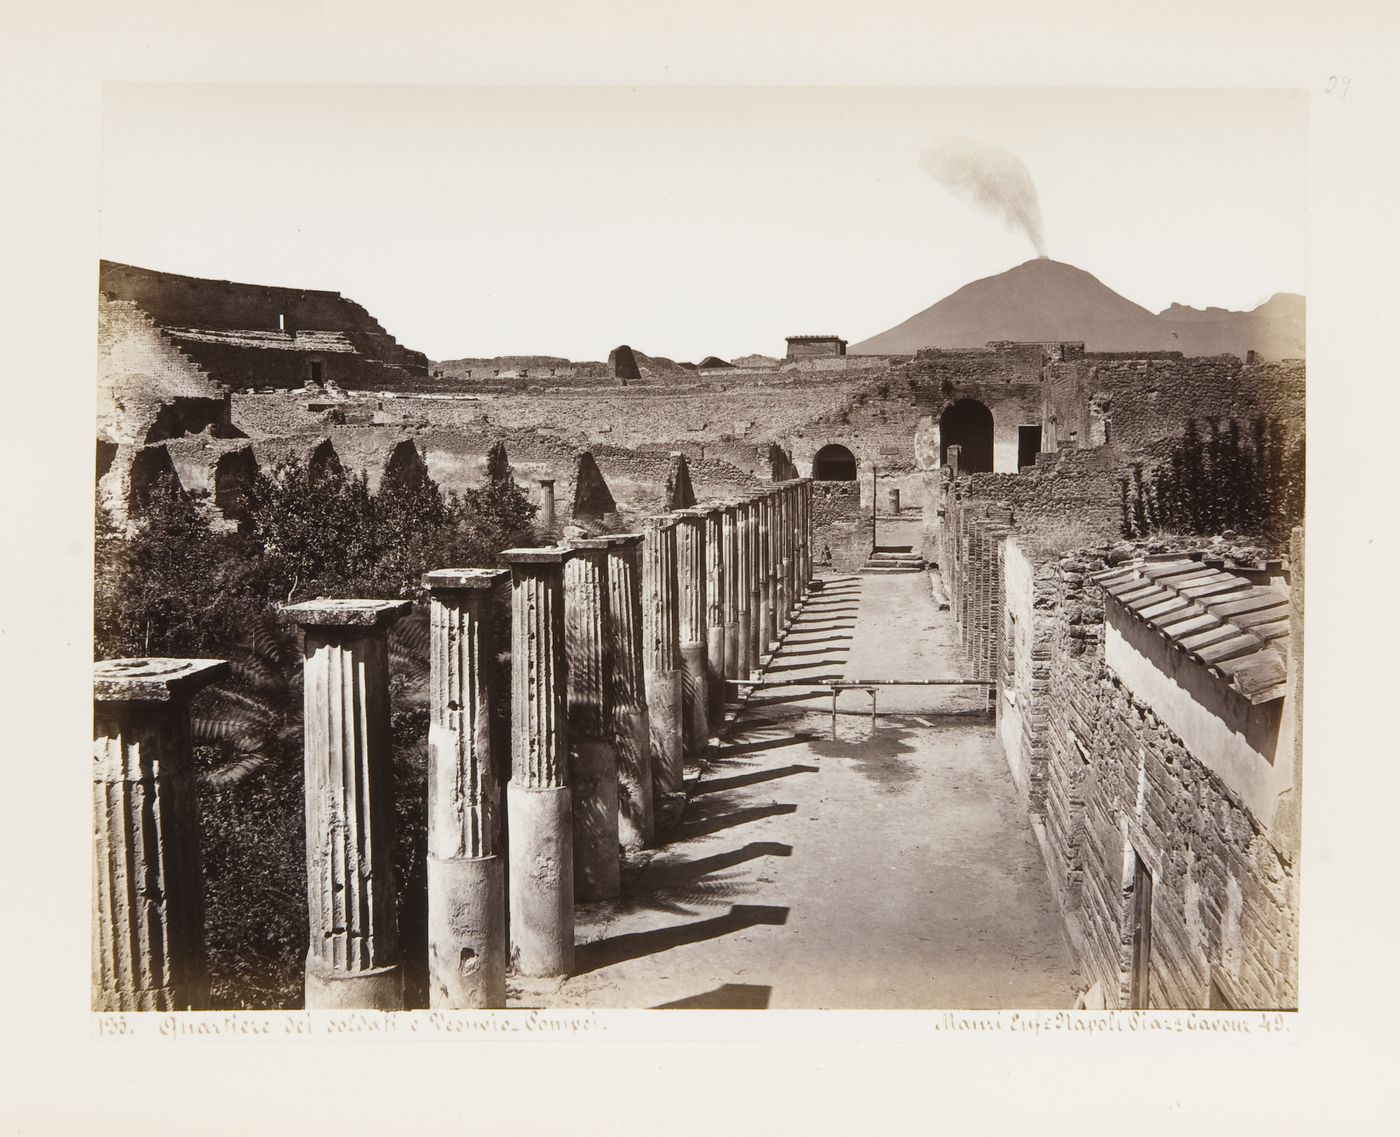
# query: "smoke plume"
x,y
989,177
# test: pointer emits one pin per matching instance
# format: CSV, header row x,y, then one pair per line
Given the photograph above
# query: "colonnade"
x,y
624,651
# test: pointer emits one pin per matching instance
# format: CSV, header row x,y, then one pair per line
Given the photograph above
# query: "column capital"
x,y
545,481
154,680
369,614
464,580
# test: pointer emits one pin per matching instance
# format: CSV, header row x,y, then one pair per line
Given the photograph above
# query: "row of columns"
x,y
622,649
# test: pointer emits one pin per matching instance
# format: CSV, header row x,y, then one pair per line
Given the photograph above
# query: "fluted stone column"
x,y
805,535
636,812
662,664
592,751
539,810
782,500
729,613
546,503
751,594
767,624
714,616
148,891
467,949
690,587
354,958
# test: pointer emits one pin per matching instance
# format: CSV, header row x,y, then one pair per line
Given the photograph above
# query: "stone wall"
x,y
841,529
1134,402
1107,781
251,335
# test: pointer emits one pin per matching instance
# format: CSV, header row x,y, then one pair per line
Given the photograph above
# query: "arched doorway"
x,y
967,423
834,463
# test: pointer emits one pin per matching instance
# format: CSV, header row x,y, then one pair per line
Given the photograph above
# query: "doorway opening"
x,y
1141,929
967,423
1027,445
834,463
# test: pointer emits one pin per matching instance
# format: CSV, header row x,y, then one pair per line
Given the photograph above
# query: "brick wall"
x,y
1105,780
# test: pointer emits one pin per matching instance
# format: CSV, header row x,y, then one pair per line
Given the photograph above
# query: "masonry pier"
x,y
148,893
353,960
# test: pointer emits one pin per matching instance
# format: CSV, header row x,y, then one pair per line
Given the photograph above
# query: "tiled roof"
x,y
1236,629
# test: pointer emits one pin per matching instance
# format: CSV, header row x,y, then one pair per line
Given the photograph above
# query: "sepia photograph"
x,y
631,567
698,548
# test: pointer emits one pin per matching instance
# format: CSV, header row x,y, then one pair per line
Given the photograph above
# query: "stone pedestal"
x,y
714,617
592,751
353,960
467,949
729,614
636,814
148,892
690,586
539,813
661,663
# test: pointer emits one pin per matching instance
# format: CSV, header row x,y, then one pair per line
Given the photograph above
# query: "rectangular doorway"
x,y
1141,933
1027,445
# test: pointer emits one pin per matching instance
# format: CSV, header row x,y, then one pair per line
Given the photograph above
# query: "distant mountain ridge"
x,y
1049,300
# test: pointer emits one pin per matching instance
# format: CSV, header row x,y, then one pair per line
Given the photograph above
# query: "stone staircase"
x,y
893,558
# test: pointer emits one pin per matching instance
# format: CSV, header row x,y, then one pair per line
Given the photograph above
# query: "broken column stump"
x,y
467,950
353,959
148,892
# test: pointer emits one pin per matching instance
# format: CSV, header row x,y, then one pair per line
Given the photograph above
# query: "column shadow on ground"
x,y
726,997
772,669
636,945
738,781
703,826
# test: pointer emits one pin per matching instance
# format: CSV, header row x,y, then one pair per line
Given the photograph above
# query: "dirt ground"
x,y
891,868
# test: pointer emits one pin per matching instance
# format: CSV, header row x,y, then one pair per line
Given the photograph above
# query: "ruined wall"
x,y
1106,779
147,388
1134,402
250,335
841,530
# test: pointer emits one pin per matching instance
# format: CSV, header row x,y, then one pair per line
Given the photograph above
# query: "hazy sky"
x,y
690,221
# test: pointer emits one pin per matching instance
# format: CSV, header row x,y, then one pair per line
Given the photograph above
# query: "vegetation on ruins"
x,y
175,586
1226,479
